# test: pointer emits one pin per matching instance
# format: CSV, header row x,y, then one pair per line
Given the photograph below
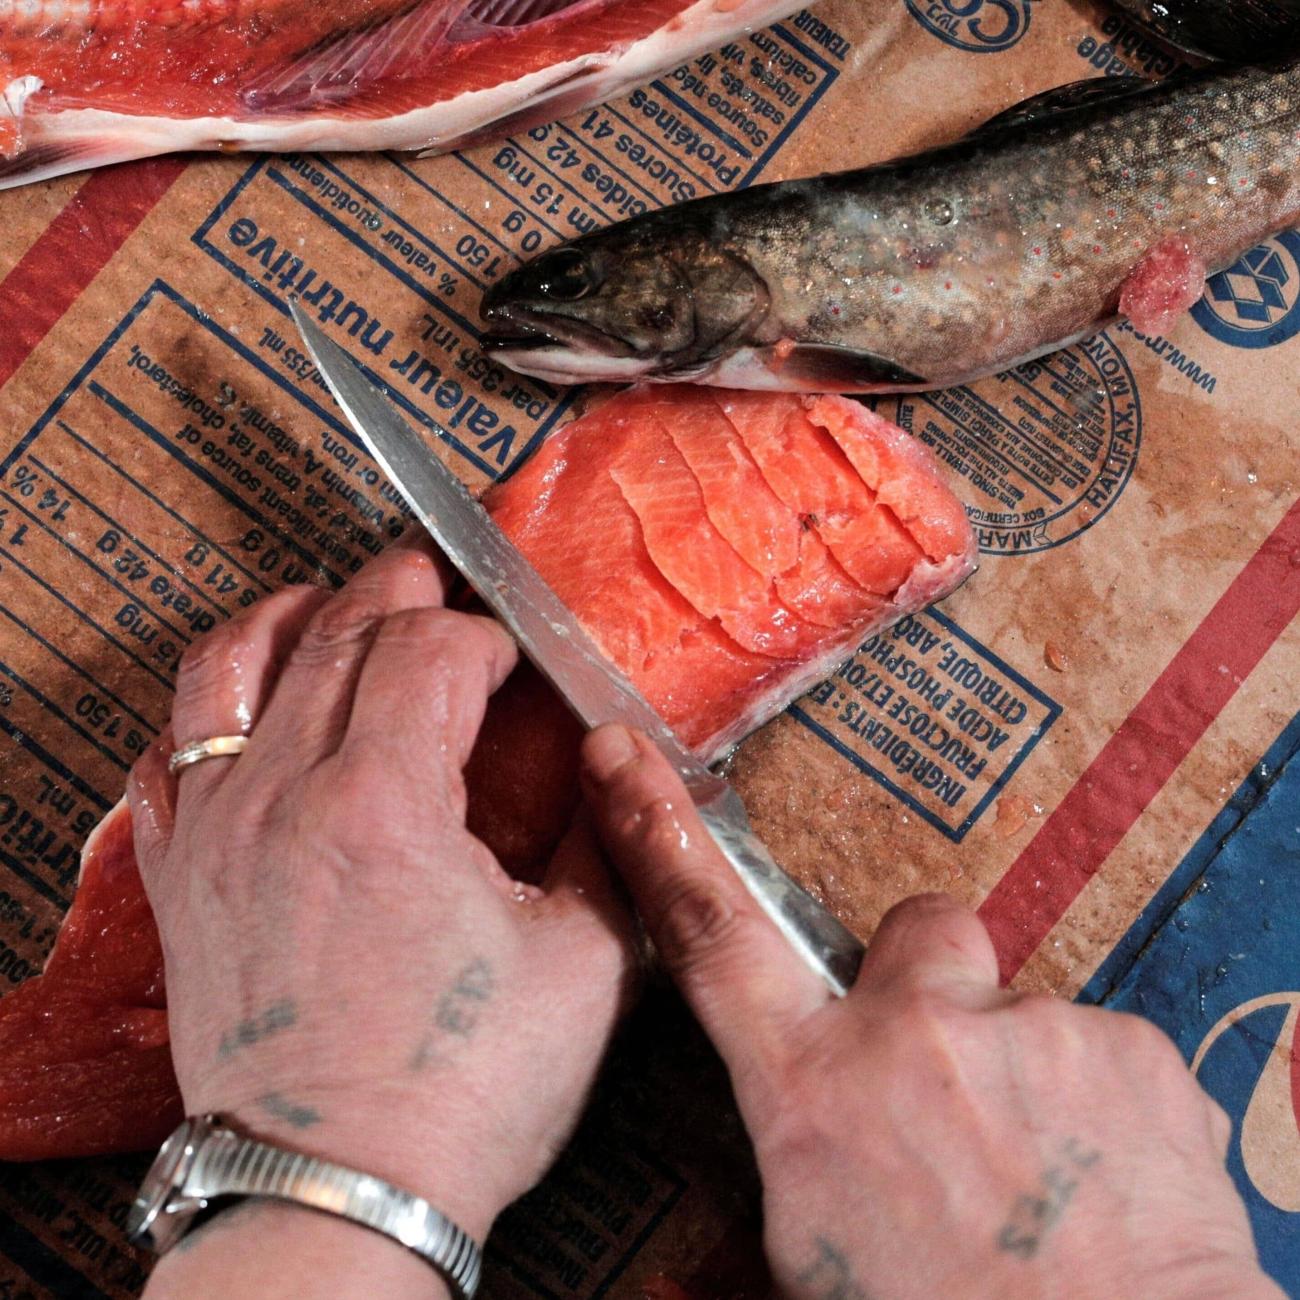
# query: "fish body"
x,y
89,82
1223,29
933,270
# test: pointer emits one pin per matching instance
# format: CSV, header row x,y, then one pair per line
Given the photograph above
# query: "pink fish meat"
x,y
89,82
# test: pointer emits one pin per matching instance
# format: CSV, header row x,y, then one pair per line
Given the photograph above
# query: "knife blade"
x,y
550,635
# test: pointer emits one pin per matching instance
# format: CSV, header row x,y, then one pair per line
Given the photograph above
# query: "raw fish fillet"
x,y
639,515
89,82
85,1059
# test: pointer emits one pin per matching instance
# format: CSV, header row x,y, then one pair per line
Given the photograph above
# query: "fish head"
x,y
607,309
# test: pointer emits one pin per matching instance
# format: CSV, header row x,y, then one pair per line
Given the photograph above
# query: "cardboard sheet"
x,y
1049,745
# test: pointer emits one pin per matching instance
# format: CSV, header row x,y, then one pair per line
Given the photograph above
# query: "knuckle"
x,y
338,625
1142,1039
448,639
211,658
695,922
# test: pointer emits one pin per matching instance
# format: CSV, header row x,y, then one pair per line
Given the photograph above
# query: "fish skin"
x,y
925,272
1223,29
103,81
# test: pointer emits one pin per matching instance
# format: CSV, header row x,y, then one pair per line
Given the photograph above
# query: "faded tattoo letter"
x,y
830,1275
1034,1216
279,1015
457,1010
293,1114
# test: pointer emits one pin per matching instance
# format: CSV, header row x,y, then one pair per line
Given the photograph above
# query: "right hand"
x,y
931,1135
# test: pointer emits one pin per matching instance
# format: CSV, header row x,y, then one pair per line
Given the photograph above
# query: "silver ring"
x,y
214,747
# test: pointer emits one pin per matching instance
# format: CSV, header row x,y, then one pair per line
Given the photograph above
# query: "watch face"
x,y
145,1225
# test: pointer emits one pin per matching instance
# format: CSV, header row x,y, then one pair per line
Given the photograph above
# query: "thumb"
x,y
745,984
930,943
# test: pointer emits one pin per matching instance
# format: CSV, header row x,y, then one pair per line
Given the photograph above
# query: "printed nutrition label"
x,y
177,479
1045,449
933,716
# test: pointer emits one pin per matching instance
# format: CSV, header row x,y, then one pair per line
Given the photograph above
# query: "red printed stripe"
x,y
73,249
1144,753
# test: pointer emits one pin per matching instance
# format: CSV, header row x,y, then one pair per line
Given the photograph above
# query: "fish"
x,y
1106,200
84,83
1237,30
637,514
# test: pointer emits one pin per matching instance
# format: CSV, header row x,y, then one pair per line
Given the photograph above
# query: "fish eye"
x,y
565,276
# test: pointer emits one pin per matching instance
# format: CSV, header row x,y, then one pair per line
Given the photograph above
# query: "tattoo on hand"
x,y
293,1114
1033,1217
457,1010
830,1275
279,1015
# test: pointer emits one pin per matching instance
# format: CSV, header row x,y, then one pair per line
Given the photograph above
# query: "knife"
x,y
549,634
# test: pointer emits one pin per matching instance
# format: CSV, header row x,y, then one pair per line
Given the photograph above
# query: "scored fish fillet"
x,y
89,82
727,551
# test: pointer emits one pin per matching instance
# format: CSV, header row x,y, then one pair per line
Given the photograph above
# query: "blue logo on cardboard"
x,y
983,26
1250,1061
1256,302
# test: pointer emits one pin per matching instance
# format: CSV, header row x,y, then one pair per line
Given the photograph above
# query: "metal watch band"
x,y
222,1162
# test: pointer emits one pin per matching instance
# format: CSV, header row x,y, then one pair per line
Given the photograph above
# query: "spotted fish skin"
x,y
1223,29
937,269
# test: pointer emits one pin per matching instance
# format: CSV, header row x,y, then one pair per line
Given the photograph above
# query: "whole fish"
x,y
89,82
1223,29
1113,198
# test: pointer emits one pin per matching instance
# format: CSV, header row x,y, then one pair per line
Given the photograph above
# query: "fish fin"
x,y
409,44
826,367
1088,93
805,368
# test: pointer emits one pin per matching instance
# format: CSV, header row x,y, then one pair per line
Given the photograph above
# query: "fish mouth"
x,y
515,328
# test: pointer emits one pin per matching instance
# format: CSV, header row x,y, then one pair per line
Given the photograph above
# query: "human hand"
x,y
930,1134
349,972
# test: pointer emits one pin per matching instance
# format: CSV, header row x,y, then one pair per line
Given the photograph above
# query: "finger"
x,y
744,983
226,677
589,910
308,712
579,881
422,692
929,943
151,794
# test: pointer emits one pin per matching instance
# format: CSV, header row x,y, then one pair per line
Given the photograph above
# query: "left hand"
x,y
349,972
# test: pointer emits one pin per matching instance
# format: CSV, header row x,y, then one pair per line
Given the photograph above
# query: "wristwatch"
x,y
204,1160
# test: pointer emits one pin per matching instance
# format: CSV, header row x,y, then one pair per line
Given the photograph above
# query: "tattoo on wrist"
x,y
1034,1216
457,1010
279,1015
293,1113
830,1275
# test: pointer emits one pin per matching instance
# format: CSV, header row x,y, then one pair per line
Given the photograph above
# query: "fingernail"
x,y
608,750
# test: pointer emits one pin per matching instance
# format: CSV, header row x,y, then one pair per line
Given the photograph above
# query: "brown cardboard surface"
x,y
169,456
